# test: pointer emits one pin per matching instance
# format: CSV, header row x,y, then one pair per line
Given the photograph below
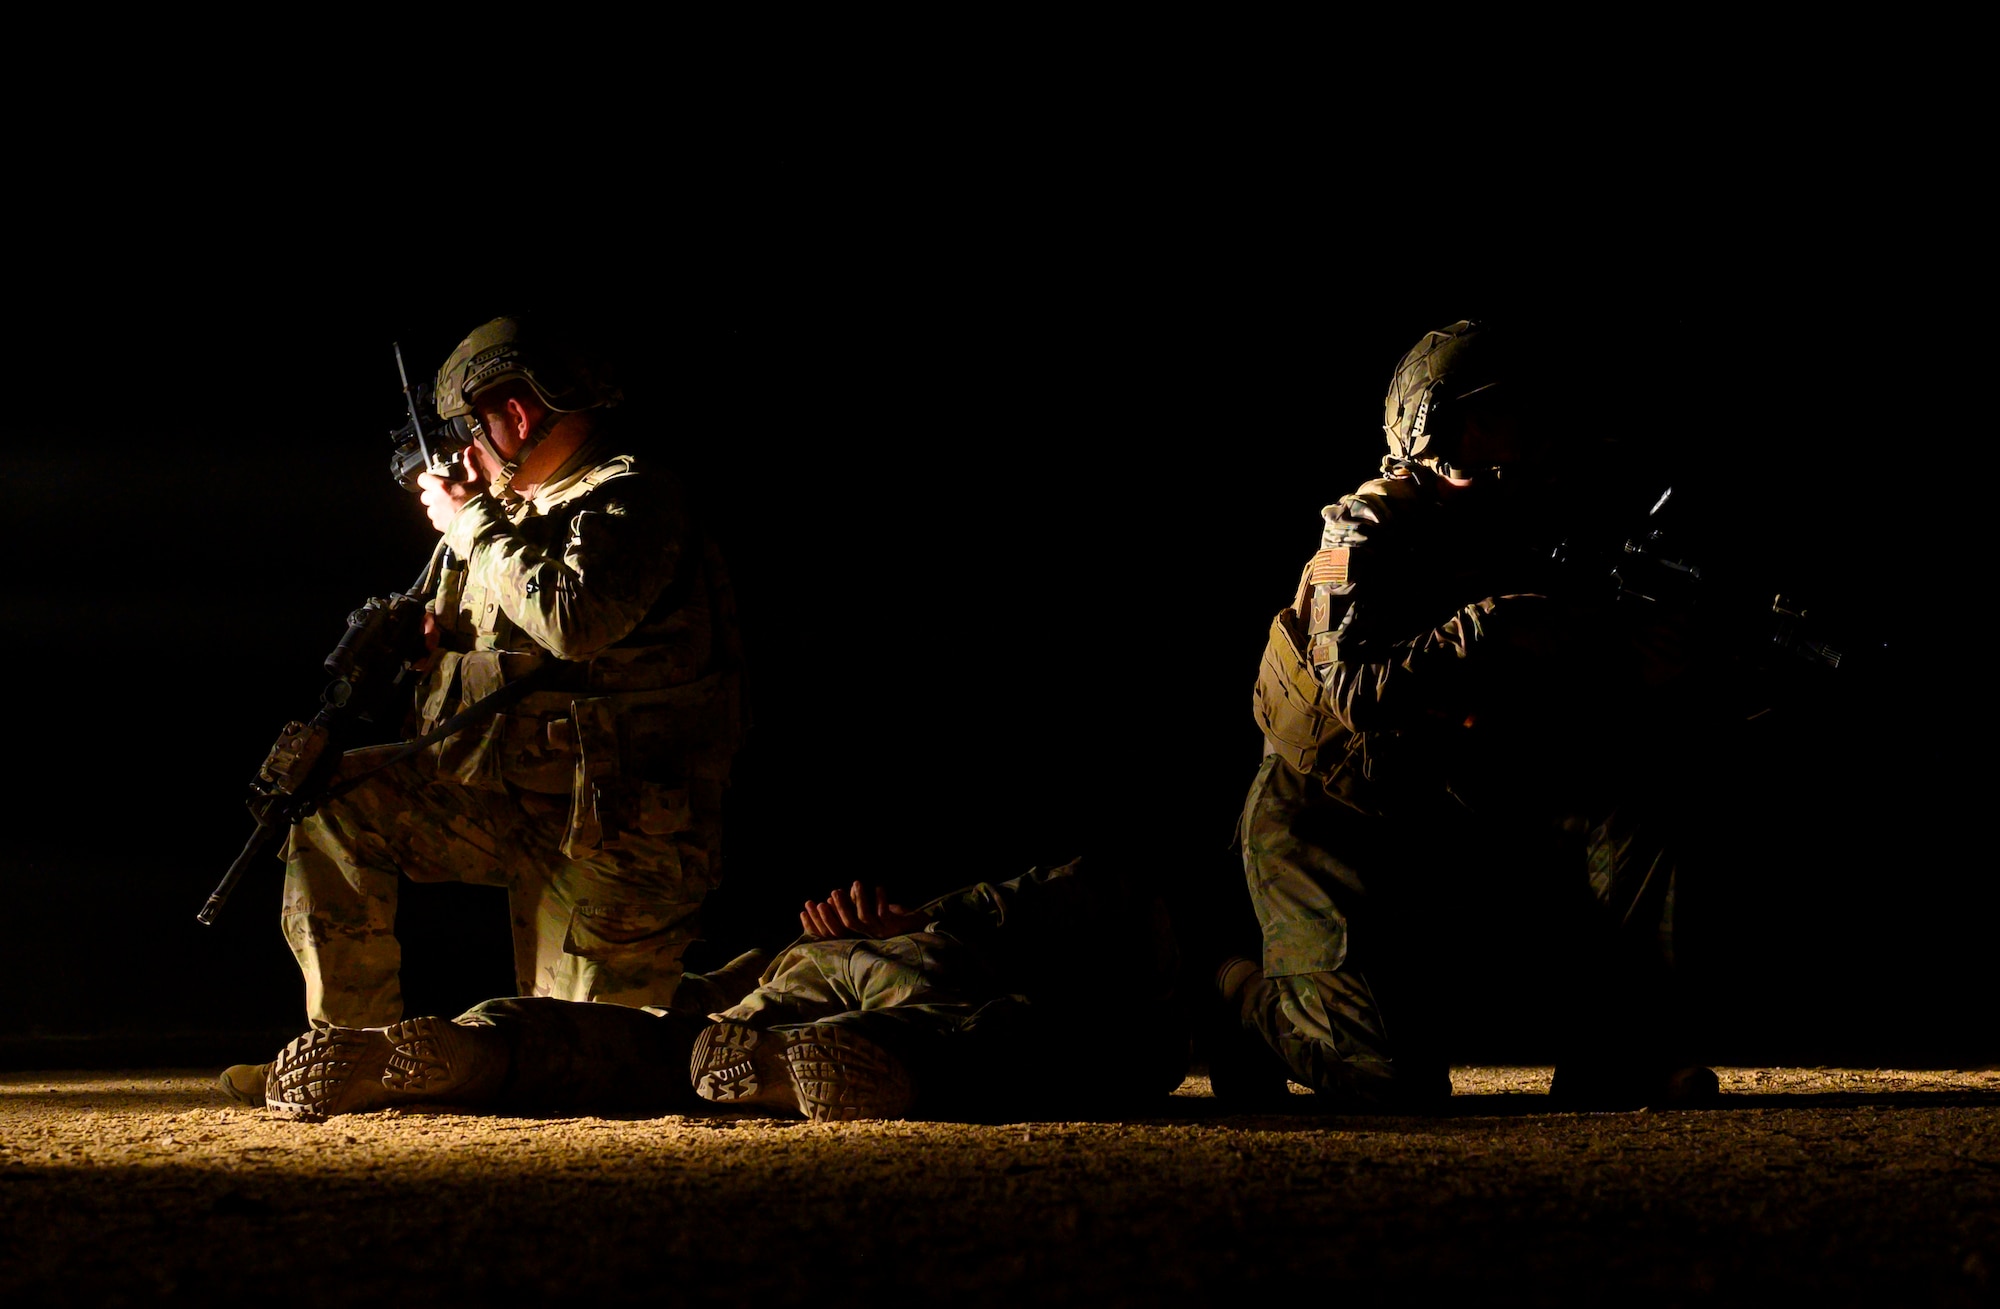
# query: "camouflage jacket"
x,y
1420,618
604,571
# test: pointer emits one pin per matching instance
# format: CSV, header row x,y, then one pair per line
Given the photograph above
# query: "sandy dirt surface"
x,y
1847,1186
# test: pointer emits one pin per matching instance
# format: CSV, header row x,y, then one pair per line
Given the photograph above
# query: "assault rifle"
x,y
372,663
383,637
1654,566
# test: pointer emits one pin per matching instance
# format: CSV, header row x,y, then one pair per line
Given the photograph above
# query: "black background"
x,y
1015,433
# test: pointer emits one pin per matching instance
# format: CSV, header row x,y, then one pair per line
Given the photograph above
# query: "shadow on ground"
x,y
1838,1185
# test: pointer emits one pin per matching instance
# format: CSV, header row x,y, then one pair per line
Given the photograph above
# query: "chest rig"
x,y
1389,566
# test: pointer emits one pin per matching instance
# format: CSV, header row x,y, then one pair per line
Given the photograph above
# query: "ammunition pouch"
x,y
1288,699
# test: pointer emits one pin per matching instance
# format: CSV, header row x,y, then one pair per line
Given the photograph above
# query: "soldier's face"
x,y
506,425
1495,434
1492,435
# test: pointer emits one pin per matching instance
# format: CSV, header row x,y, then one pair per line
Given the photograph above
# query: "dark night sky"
x,y
1015,439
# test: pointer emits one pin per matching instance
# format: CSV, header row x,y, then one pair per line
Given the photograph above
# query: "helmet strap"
x,y
502,487
498,486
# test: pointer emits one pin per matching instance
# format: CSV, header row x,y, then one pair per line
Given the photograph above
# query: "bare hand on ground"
x,y
861,912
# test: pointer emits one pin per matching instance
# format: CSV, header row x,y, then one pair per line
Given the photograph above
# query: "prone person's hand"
x,y
442,500
858,912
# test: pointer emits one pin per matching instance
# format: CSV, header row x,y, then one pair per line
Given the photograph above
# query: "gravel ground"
x,y
1841,1185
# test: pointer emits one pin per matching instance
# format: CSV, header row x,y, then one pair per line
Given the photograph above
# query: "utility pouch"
x,y
1287,699
540,754
611,800
472,757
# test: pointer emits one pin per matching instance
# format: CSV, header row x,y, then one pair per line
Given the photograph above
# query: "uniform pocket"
x,y
623,807
602,932
607,803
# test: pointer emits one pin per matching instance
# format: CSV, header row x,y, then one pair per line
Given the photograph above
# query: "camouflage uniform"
x,y
595,799
999,1002
1427,712
996,1006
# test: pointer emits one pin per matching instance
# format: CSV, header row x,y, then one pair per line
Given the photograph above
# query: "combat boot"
x,y
707,994
737,1065
351,1070
826,1072
840,1075
244,1083
1243,1071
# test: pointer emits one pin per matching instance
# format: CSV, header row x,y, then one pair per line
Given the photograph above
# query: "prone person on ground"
x,y
1049,992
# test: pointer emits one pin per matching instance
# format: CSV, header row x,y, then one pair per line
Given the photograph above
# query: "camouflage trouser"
x,y
611,925
970,1046
920,973
1338,1002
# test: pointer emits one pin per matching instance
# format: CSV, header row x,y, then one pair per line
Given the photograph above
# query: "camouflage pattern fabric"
x,y
811,980
1462,719
939,1002
1326,978
1341,897
610,924
1000,1004
582,566
596,800
1430,619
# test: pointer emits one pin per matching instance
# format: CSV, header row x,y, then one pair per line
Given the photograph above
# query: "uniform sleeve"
x,y
1432,676
1396,663
623,550
1026,903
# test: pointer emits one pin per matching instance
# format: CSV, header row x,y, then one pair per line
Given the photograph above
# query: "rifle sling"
x,y
476,712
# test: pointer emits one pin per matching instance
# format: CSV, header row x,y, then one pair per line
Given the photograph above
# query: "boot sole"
x,y
347,1070
840,1076
738,1065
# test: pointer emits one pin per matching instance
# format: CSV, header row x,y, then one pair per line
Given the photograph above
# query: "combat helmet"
x,y
519,347
1423,413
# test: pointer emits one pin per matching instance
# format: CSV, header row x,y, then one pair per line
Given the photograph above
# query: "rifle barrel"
x,y
269,829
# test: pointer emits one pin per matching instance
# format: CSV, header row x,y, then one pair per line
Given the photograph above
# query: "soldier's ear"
x,y
523,418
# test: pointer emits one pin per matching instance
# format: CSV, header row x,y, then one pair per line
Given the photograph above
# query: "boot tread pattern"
x,y
309,1076
724,1071
841,1076
342,1070
419,1061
